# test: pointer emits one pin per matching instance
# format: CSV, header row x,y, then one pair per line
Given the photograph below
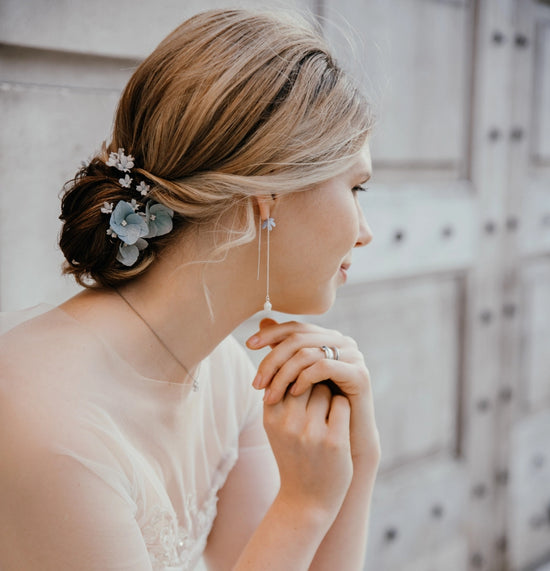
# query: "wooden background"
x,y
451,301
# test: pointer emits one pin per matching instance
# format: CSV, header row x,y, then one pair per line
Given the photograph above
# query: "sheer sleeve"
x,y
104,469
55,514
250,487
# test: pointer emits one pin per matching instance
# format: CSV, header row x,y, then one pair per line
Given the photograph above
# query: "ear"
x,y
264,206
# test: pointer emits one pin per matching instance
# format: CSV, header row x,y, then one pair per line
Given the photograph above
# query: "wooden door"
x,y
527,507
412,291
450,301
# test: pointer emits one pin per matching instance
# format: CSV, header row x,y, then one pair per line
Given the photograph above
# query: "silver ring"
x,y
336,353
329,353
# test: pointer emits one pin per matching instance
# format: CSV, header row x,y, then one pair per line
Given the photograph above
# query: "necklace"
x,y
195,381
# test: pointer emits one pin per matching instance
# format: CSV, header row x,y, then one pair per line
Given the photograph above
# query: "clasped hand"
x,y
317,436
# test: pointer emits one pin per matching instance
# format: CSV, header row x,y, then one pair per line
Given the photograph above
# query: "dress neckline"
x,y
182,387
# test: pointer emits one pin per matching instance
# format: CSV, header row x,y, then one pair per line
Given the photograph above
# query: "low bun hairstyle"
x,y
232,104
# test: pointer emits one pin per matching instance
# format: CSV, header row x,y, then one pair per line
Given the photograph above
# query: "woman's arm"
x,y
309,436
55,514
344,546
296,359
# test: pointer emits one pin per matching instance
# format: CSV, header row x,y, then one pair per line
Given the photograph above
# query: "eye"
x,y
359,188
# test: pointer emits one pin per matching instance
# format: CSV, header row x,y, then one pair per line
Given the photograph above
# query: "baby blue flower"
x,y
128,253
126,224
159,219
269,224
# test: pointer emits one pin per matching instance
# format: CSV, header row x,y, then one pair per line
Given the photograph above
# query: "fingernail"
x,y
254,341
266,394
294,389
257,382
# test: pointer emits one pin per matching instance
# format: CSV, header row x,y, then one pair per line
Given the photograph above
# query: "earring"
x,y
268,224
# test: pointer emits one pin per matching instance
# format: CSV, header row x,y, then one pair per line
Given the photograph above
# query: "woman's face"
x,y
311,246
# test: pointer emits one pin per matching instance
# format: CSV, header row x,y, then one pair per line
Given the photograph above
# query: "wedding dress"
x,y
102,468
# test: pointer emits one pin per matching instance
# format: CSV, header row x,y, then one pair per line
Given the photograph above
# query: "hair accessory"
x,y
127,223
122,162
195,381
268,224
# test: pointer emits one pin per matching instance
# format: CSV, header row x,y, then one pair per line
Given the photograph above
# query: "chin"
x,y
308,306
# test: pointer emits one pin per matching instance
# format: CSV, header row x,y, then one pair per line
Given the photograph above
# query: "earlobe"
x,y
264,206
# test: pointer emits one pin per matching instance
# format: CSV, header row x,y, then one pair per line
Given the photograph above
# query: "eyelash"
x,y
360,188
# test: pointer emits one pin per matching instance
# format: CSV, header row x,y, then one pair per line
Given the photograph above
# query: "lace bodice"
x,y
139,463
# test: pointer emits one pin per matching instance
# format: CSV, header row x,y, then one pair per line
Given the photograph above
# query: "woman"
x,y
130,434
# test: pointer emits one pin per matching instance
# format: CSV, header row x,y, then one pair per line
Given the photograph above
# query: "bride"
x,y
135,434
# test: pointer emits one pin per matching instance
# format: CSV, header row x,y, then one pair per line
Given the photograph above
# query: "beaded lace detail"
x,y
174,546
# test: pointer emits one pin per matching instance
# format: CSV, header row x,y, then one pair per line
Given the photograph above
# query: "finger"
x,y
287,400
316,373
318,405
290,372
289,411
349,378
287,348
266,322
291,368
339,418
274,333
253,342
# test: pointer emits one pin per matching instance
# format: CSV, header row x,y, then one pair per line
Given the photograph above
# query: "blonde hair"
x,y
232,104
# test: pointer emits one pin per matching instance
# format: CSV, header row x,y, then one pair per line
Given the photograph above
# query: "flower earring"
x,y
268,225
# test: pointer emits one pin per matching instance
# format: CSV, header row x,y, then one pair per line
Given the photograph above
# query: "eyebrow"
x,y
365,176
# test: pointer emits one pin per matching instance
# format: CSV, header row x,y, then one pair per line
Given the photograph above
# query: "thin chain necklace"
x,y
195,381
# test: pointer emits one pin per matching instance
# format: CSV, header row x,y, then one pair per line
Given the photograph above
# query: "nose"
x,y
364,235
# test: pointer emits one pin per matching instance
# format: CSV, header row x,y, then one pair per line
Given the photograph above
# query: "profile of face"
x,y
312,244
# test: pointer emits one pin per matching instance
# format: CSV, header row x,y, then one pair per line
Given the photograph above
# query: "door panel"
x,y
35,118
536,336
414,59
530,491
417,517
409,332
541,92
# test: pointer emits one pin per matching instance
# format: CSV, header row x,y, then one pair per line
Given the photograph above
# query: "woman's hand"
x,y
297,359
309,435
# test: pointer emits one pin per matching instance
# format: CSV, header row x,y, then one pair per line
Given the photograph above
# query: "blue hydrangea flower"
x,y
128,253
158,218
126,224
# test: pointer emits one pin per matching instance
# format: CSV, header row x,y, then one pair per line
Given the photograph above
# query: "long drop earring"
x,y
268,224
259,246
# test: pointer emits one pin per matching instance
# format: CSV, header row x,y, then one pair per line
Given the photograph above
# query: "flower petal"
x,y
127,255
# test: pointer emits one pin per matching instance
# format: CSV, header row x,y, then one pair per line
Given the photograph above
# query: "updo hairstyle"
x,y
232,104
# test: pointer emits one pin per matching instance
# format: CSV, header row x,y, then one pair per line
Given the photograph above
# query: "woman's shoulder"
x,y
42,328
44,344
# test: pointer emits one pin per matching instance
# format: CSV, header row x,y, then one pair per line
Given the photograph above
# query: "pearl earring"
x,y
268,225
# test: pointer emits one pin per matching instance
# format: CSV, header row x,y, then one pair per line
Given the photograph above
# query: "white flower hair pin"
x,y
127,223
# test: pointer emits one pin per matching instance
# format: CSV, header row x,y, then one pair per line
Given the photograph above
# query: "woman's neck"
x,y
191,307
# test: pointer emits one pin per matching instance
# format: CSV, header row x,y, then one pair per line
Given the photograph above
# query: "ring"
x,y
329,352
336,353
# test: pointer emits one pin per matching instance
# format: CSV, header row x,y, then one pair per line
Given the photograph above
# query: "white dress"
x,y
105,469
